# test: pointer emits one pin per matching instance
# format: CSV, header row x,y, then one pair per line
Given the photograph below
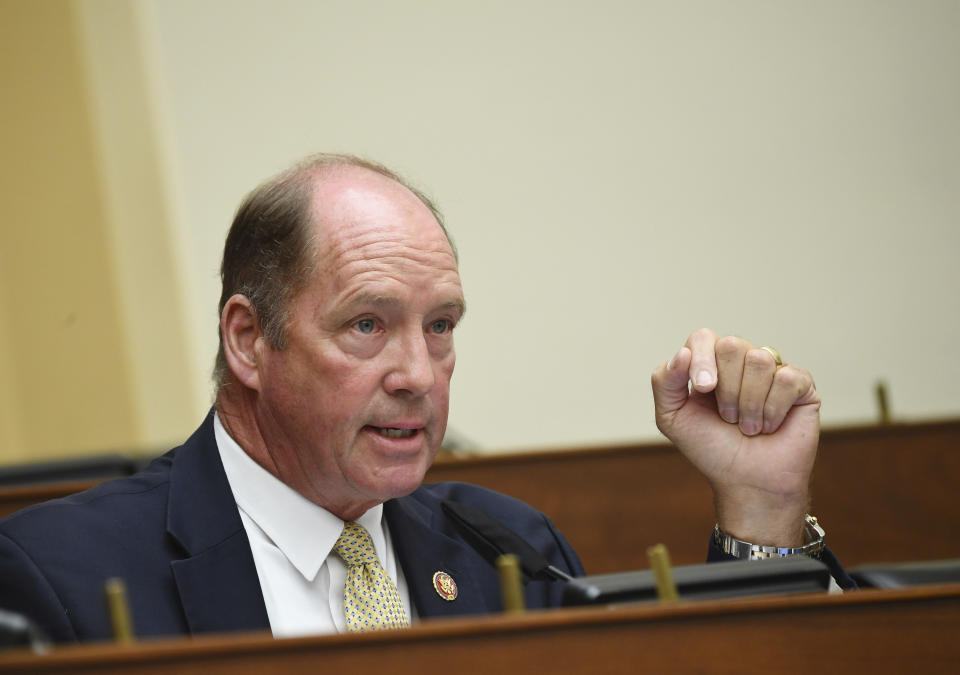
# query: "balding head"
x,y
270,251
347,400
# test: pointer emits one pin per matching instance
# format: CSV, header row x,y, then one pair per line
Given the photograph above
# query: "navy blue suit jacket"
x,y
173,533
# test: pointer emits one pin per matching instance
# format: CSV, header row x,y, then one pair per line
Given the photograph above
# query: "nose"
x,y
413,368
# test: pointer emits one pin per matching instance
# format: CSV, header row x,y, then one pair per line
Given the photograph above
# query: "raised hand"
x,y
750,427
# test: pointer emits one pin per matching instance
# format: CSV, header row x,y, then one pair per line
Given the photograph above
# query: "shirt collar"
x,y
304,532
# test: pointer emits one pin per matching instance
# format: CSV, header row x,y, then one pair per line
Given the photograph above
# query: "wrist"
x,y
812,546
770,520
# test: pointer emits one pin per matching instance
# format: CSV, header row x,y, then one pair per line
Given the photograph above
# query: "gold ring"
x,y
775,354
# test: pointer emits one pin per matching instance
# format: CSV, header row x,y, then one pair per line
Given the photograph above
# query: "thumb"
x,y
669,382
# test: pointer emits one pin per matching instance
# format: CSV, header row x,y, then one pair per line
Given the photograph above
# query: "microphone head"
x,y
491,539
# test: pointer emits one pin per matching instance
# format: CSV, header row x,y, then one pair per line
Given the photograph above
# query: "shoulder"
x,y
500,506
528,522
111,509
54,556
115,503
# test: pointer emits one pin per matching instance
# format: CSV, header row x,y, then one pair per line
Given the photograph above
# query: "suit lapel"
x,y
423,550
217,582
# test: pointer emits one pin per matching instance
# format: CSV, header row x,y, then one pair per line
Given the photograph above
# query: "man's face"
x,y
354,409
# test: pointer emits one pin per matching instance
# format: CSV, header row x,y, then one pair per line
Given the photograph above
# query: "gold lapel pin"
x,y
445,586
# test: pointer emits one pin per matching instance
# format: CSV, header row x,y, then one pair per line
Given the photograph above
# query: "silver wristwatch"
x,y
747,551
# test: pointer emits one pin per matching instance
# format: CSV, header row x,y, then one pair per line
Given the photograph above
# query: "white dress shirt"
x,y
292,540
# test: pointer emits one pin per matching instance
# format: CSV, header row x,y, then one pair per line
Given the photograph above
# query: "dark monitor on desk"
x,y
709,581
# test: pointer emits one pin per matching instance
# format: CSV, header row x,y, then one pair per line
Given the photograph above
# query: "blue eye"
x,y
440,326
366,326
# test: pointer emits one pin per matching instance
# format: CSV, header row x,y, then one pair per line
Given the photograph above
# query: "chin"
x,y
401,484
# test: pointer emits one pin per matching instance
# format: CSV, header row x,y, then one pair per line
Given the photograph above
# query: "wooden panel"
x,y
868,631
611,504
889,494
12,499
884,494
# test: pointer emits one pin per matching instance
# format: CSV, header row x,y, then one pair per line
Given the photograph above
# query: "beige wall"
x,y
615,174
92,340
136,194
66,383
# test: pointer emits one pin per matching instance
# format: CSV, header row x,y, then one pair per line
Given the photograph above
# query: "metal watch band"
x,y
747,551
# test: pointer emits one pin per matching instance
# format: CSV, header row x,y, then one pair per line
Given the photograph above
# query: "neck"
x,y
237,410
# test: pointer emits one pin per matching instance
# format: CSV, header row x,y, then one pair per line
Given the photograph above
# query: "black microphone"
x,y
492,539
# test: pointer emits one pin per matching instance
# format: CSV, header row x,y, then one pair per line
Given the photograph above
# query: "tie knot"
x,y
355,546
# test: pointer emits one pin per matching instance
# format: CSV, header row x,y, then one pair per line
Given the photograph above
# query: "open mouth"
x,y
390,432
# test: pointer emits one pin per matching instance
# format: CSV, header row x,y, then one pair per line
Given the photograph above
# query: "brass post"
x,y
511,586
116,592
662,574
883,402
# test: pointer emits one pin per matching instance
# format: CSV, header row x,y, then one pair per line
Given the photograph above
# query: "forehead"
x,y
368,227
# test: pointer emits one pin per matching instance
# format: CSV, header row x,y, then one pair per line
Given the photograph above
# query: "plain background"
x,y
615,175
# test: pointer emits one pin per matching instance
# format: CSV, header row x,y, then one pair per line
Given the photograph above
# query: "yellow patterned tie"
x,y
370,598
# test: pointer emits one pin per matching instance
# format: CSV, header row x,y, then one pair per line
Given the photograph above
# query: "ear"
x,y
240,330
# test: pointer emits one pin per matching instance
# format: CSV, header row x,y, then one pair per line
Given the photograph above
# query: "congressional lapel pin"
x,y
445,586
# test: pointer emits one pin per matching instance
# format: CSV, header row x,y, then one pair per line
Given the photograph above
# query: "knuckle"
x,y
727,399
793,379
727,387
759,359
729,346
750,409
788,376
702,335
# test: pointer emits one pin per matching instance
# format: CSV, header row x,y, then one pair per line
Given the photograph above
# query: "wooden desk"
x,y
911,630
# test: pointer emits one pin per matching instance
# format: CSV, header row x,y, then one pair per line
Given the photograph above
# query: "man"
x,y
340,296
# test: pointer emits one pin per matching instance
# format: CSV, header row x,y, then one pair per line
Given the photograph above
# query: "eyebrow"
x,y
458,305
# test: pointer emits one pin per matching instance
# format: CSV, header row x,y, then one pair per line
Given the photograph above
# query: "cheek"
x,y
313,388
446,365
441,392
349,390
